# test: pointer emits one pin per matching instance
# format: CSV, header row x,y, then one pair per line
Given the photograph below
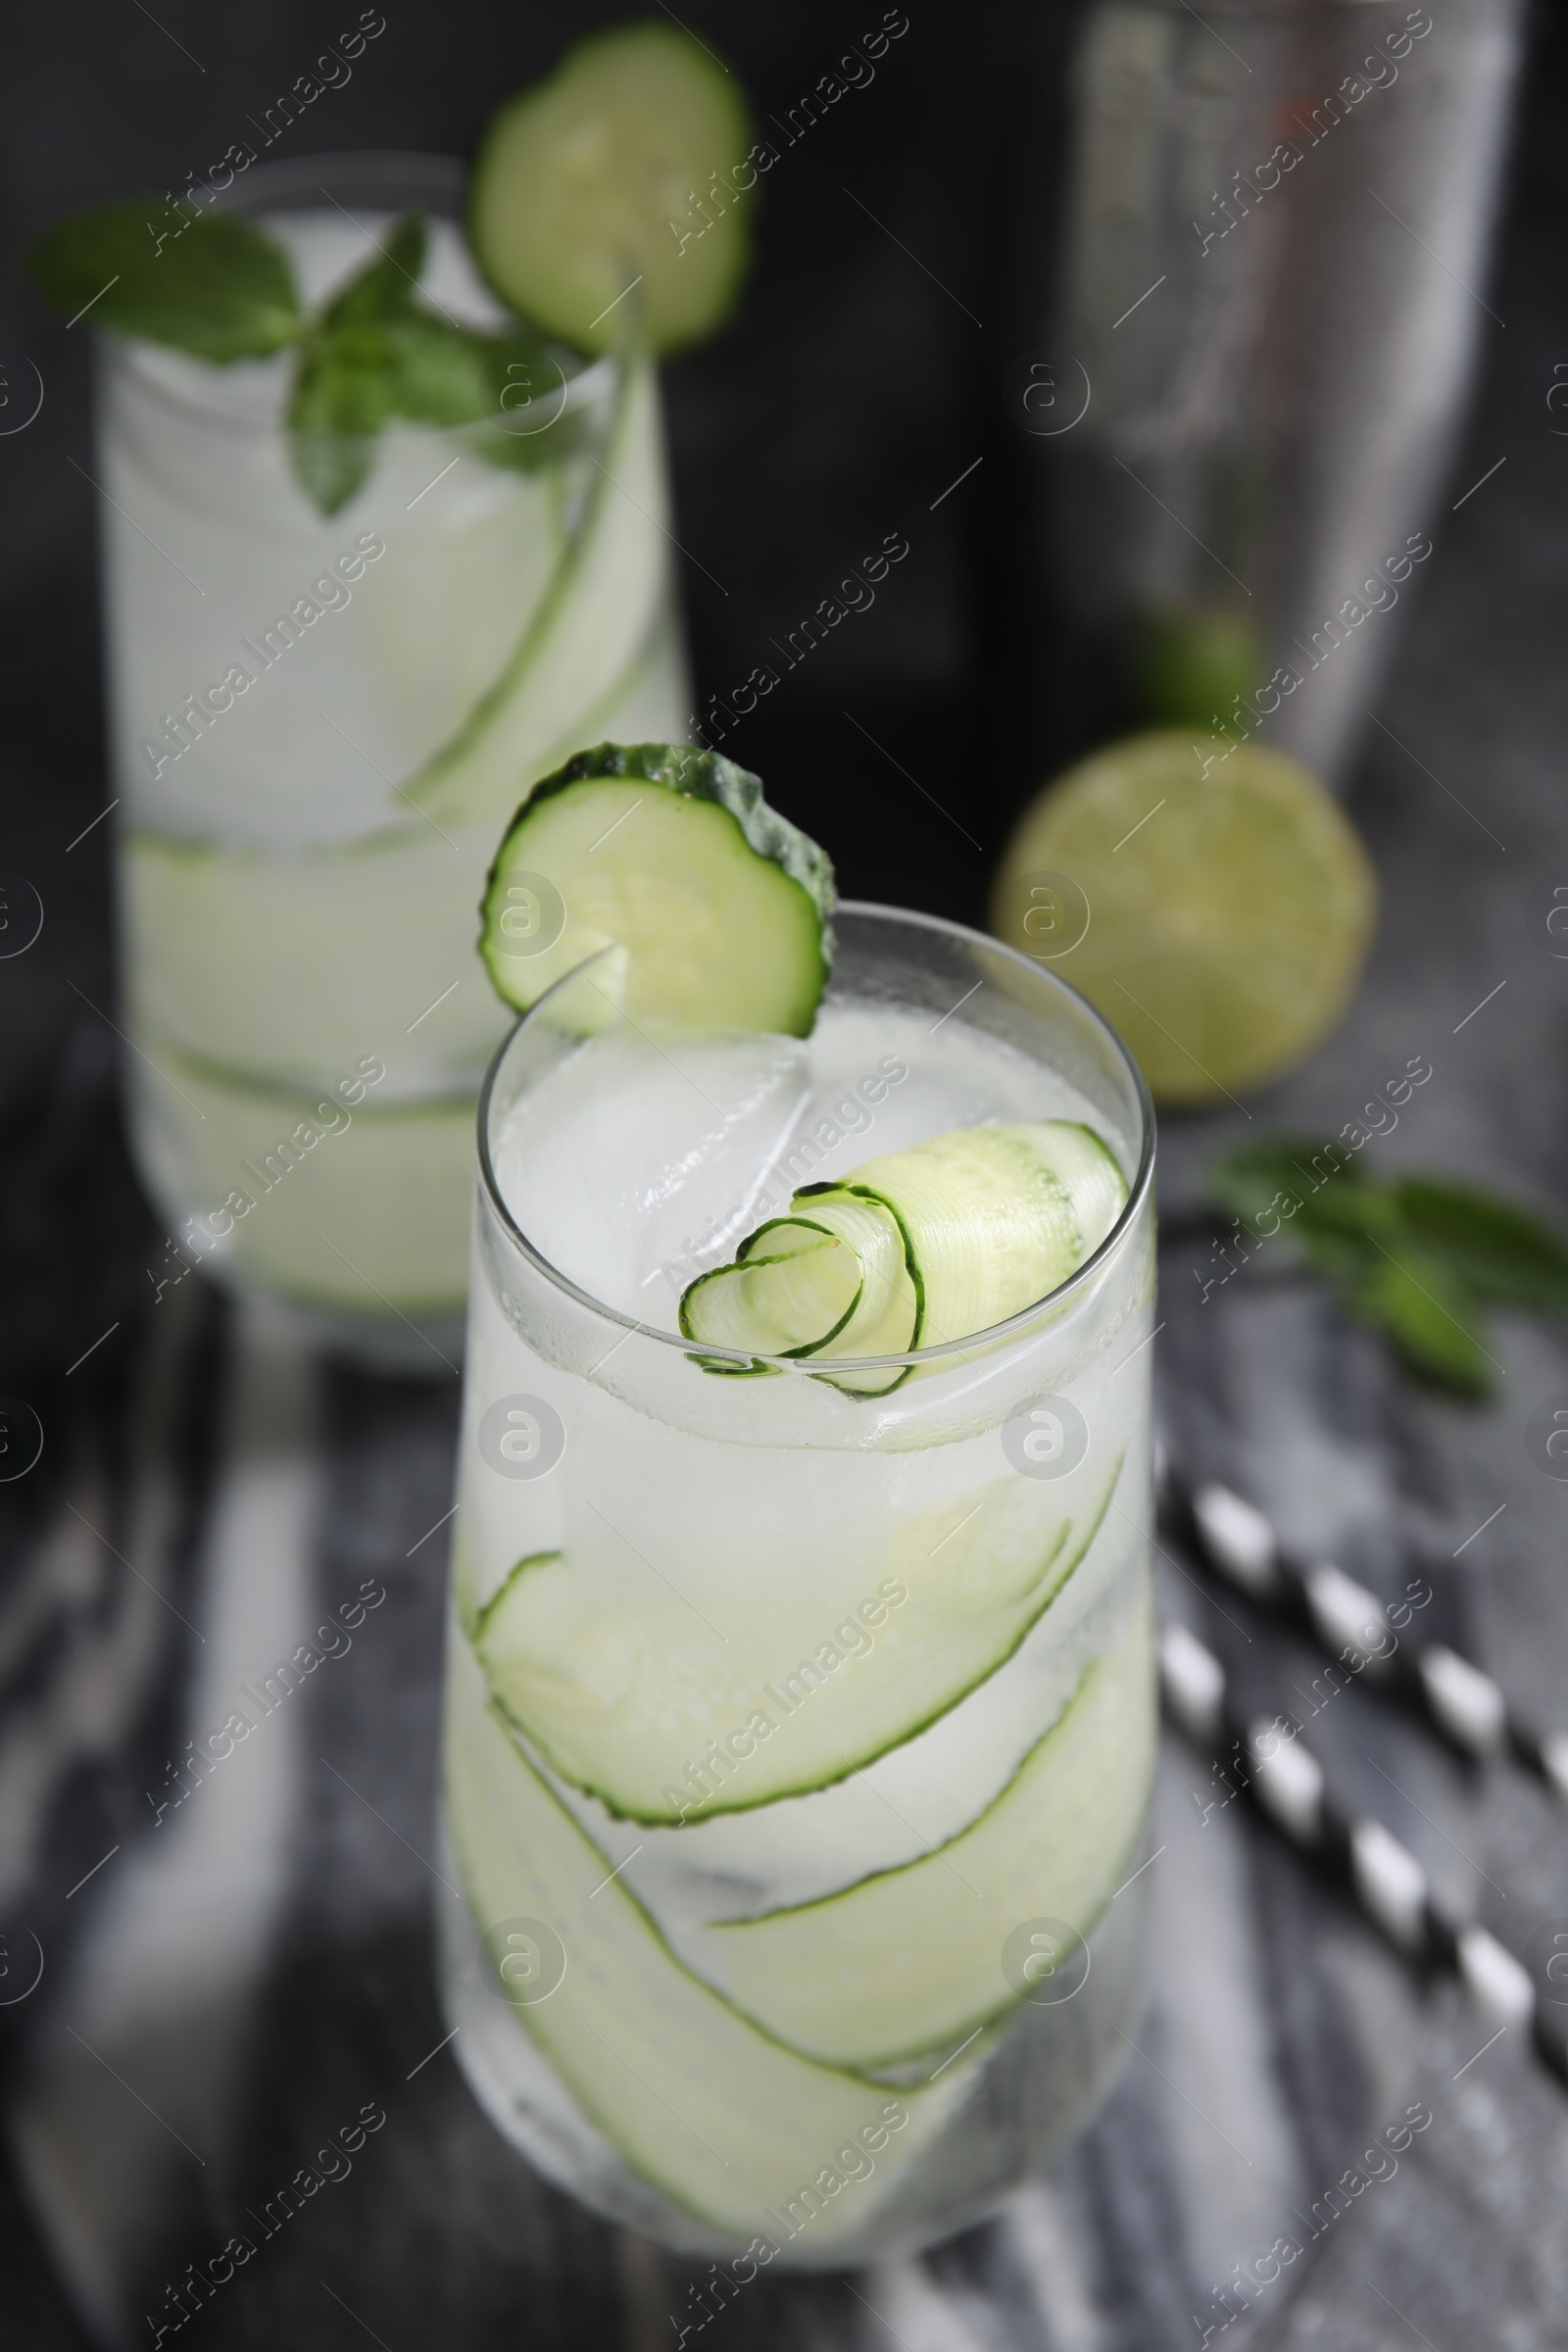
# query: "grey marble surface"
x,y
223,1987
244,1972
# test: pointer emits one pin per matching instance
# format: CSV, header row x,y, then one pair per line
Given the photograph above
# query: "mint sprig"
x,y
376,352
220,289
1420,1261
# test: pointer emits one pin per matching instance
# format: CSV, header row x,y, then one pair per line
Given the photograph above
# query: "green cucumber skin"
x,y
536,2026
866,1384
823,1903
496,700
771,1226
820,2066
471,737
720,1368
993,2010
746,1255
992,2015
732,237
705,776
487,1609
700,777
884,1388
1052,1587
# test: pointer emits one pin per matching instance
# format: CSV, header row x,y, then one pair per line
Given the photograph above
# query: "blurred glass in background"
x,y
1278,227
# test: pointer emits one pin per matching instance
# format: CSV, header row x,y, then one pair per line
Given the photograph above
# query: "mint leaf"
x,y
1353,1212
1428,1316
436,371
1269,1175
443,374
211,284
341,396
1507,1256
504,388
338,406
376,353
1343,1258
386,287
1418,1260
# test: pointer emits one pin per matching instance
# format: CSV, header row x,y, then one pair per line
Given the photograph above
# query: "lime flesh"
x,y
1226,906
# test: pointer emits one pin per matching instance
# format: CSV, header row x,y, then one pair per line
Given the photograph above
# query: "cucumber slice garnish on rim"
x,y
588,185
719,906
924,1246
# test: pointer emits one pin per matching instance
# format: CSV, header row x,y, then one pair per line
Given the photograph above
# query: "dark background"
x,y
846,395
849,390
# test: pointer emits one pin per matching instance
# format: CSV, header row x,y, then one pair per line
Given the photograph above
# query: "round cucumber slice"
x,y
932,1243
617,174
719,907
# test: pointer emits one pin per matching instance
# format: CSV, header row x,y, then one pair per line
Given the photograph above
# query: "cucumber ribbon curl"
x,y
920,1247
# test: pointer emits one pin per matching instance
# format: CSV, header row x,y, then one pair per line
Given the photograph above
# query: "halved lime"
x,y
620,180
1230,905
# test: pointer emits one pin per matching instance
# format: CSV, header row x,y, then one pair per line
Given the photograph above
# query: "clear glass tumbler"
x,y
799,1744
320,724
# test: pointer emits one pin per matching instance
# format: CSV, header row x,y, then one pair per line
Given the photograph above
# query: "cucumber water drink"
x,y
800,1712
318,724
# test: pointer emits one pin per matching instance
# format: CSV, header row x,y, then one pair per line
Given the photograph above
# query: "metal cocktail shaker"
x,y
1274,284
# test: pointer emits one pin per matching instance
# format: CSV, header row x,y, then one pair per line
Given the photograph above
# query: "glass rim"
x,y
817,1366
1282,11
441,176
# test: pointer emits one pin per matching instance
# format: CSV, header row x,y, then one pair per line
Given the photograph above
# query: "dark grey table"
x,y
226,1984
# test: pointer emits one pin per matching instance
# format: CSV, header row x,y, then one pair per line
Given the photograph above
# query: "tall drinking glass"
x,y
320,724
798,1741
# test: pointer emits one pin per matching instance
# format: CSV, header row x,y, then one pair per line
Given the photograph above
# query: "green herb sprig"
x,y
223,291
1420,1260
